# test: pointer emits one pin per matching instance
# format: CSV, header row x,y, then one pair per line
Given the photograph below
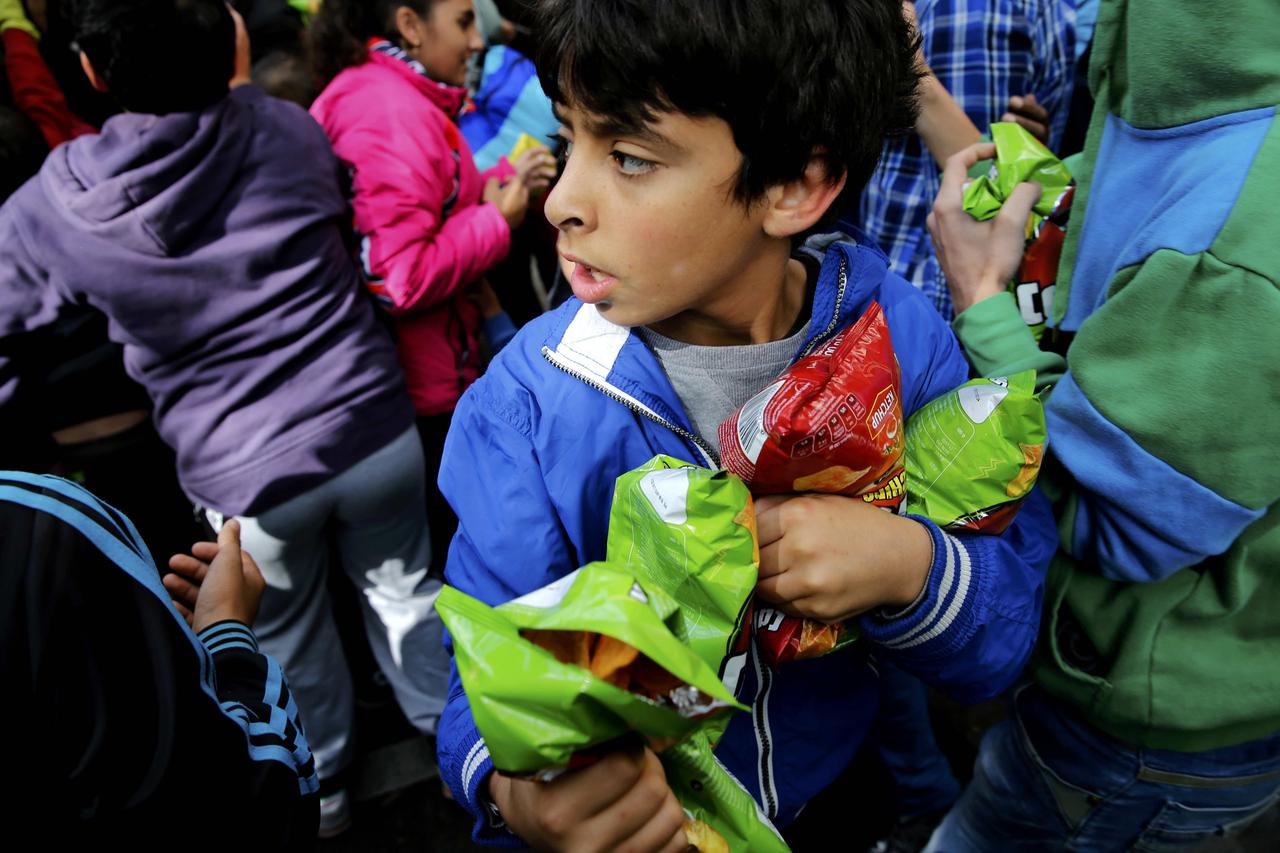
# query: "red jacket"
x,y
425,233
36,93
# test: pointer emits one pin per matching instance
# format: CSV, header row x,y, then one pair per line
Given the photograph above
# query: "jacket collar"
x,y
615,361
449,99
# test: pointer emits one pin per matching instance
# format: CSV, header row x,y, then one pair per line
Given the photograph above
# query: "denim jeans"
x,y
1047,781
903,738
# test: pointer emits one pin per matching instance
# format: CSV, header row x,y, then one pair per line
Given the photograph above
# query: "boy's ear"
x,y
89,71
796,206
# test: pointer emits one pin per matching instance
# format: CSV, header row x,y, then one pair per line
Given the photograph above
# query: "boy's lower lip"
x,y
586,287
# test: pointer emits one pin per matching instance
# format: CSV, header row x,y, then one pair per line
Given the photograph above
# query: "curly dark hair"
x,y
791,77
341,28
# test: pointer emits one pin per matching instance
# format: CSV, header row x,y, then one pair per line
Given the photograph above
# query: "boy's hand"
x,y
621,802
220,582
978,258
832,557
1026,111
536,168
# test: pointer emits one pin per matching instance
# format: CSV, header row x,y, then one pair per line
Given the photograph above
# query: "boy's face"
x,y
651,233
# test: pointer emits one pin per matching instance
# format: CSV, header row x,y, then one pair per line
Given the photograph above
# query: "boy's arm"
x,y
28,299
509,542
973,627
412,253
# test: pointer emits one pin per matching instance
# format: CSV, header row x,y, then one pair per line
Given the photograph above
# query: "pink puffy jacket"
x,y
425,234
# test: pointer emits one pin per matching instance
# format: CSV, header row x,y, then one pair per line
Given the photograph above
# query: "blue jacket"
x,y
574,401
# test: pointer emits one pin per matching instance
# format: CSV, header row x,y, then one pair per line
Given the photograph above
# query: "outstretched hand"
x,y
978,258
218,581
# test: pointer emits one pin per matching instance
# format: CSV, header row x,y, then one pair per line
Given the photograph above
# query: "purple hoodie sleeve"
x,y
28,299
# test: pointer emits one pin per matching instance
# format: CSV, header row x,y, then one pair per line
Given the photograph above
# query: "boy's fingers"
x,y
188,567
1014,212
780,590
186,614
229,535
180,588
205,550
951,191
768,524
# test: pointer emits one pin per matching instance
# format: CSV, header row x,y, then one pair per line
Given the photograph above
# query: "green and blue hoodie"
x,y
1162,611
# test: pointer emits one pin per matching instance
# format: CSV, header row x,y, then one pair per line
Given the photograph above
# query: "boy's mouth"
x,y
589,284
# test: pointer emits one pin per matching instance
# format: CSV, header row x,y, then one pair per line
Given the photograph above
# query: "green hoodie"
x,y
1162,611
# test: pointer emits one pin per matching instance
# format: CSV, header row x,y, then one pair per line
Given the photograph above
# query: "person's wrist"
x,y
964,298
913,566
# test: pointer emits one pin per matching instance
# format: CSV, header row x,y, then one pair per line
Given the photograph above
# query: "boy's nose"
x,y
567,206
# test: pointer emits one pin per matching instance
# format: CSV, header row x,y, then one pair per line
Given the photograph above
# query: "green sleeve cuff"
x,y
20,22
998,342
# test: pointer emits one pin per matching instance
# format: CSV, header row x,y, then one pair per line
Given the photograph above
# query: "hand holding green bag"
x,y
1020,157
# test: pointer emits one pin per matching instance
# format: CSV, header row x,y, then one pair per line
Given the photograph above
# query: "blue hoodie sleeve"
x,y
489,471
975,623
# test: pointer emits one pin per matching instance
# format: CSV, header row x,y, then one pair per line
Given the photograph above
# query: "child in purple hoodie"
x,y
205,224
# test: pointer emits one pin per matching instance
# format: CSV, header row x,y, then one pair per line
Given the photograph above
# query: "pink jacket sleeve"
x,y
420,256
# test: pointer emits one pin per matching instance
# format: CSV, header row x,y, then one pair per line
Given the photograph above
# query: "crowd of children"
x,y
253,261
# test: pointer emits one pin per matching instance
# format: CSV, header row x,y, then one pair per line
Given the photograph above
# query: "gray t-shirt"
x,y
714,382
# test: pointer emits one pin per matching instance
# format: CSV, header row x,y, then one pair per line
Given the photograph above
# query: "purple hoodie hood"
x,y
213,243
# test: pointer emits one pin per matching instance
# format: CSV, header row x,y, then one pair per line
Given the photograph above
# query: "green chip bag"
x,y
974,453
710,794
1020,157
691,532
530,673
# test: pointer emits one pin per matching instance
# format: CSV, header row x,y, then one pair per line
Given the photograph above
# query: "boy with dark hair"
x,y
705,137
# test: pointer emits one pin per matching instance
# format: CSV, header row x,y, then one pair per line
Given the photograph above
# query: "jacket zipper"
x,y
710,456
841,286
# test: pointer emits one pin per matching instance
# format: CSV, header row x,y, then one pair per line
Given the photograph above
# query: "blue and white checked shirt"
x,y
983,52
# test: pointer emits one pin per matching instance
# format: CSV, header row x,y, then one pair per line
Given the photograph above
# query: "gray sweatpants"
x,y
375,513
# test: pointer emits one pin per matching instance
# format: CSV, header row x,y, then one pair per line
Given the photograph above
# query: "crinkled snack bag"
x,y
690,532
575,665
831,423
974,453
1020,157
713,798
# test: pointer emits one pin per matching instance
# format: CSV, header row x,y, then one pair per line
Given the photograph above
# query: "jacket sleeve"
x,y
36,93
489,471
28,298
1168,420
414,255
252,691
974,625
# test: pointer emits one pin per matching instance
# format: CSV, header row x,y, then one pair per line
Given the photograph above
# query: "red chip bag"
x,y
832,423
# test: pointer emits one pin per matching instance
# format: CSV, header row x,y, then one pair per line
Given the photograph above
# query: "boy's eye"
x,y
631,166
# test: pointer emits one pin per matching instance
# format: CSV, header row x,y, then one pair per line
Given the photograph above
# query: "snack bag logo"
x,y
768,619
890,491
884,415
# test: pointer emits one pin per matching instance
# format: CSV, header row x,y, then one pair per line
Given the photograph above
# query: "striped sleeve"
x,y
974,625
252,691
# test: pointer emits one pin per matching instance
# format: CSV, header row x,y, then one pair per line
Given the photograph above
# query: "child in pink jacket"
x,y
430,224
